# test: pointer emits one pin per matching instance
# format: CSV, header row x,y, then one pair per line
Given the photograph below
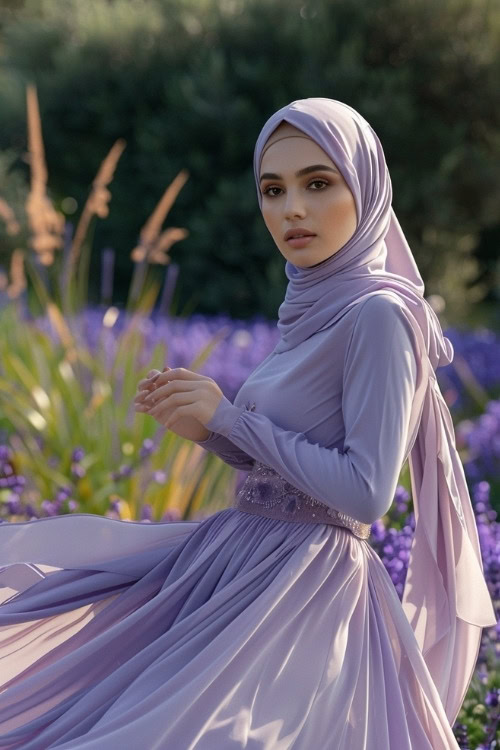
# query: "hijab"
x,y
445,598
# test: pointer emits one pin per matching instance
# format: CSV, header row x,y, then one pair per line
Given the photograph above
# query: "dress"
x,y
269,625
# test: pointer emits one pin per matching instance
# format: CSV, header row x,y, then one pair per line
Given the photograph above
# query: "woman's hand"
x,y
181,400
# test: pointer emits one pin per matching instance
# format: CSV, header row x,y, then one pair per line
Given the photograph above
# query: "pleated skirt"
x,y
236,631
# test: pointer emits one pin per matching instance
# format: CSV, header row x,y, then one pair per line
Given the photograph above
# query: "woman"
x,y
273,624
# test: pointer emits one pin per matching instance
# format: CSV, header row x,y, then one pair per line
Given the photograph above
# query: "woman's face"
x,y
319,201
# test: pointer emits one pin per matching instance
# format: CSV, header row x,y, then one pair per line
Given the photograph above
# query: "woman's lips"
x,y
301,241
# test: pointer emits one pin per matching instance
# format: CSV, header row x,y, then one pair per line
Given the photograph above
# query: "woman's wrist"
x,y
205,436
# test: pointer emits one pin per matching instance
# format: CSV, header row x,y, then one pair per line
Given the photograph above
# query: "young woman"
x,y
273,624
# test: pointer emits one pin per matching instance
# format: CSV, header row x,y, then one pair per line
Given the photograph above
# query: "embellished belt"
x,y
266,493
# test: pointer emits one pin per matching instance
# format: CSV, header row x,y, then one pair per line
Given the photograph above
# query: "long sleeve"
x,y
379,381
227,451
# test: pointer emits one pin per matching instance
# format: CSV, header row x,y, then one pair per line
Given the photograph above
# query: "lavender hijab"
x,y
445,598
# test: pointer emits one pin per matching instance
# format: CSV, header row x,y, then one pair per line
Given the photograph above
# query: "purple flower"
x,y
147,448
160,477
492,697
50,509
5,453
62,494
14,505
78,471
146,512
172,515
77,455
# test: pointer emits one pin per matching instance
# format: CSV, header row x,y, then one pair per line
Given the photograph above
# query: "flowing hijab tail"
x,y
445,598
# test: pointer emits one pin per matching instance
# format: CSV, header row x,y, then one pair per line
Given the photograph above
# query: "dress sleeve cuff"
x,y
210,439
224,417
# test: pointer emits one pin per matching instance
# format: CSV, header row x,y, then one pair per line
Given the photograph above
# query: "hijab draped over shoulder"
x,y
446,598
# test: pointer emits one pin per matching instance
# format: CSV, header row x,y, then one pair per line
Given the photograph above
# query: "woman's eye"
x,y
321,182
266,191
313,182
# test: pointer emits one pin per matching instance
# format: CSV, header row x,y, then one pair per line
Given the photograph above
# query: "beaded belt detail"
x,y
266,493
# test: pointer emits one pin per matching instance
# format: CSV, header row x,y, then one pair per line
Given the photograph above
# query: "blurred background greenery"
x,y
188,85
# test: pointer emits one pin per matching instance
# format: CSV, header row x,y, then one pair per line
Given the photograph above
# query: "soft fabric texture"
x,y
340,461
446,597
237,632
240,631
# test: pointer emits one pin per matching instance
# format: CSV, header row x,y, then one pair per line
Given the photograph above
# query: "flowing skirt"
x,y
237,631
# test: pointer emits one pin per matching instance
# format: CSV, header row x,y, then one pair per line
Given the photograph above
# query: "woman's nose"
x,y
294,206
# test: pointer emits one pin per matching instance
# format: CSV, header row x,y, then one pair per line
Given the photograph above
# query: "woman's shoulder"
x,y
378,317
382,305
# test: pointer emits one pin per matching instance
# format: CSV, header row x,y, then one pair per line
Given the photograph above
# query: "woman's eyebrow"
x,y
306,170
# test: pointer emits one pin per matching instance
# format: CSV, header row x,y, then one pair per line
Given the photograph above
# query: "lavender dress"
x,y
271,624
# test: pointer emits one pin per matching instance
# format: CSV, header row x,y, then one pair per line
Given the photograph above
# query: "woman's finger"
x,y
144,392
149,380
140,398
174,386
145,386
175,400
180,373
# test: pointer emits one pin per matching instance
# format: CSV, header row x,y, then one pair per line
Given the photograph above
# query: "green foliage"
x,y
54,398
473,712
190,84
